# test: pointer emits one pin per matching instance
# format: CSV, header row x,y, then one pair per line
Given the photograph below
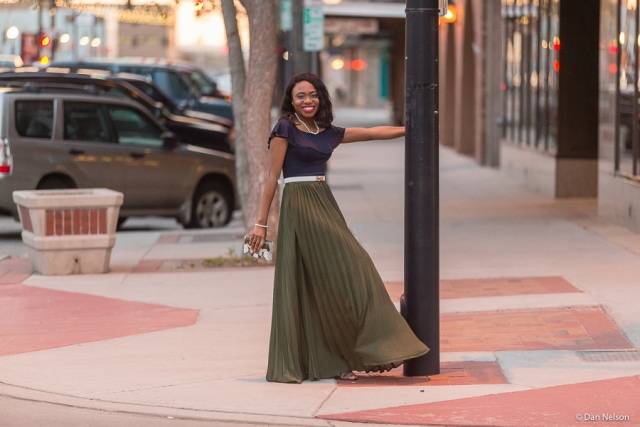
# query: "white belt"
x,y
317,178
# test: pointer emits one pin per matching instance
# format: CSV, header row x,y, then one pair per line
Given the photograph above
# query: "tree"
x,y
253,90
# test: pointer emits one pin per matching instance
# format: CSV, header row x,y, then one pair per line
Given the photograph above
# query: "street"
x,y
11,243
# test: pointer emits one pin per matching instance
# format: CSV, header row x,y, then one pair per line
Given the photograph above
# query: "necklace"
x,y
307,127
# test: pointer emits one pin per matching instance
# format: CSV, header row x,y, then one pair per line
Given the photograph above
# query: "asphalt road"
x,y
11,242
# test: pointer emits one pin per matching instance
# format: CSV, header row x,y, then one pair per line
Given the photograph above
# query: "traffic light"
x,y
45,41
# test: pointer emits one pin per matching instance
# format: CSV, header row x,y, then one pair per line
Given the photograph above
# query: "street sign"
x,y
351,26
286,18
313,26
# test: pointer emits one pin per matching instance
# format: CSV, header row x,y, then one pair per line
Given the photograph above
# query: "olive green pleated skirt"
x,y
331,311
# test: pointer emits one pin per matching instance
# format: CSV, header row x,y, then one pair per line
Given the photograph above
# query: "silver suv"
x,y
50,139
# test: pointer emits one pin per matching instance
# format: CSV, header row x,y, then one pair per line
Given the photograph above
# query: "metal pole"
x,y
300,60
421,299
39,30
52,28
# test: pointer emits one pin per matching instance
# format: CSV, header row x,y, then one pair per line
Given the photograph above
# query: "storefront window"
x,y
627,126
530,83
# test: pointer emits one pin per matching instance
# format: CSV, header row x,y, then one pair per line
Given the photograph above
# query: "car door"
x,y
89,140
157,177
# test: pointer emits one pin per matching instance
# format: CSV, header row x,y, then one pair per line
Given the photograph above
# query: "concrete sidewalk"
x,y
539,317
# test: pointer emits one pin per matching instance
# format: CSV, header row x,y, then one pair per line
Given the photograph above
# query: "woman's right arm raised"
x,y
278,149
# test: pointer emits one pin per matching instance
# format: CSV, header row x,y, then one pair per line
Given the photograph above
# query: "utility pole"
x,y
300,60
53,34
421,299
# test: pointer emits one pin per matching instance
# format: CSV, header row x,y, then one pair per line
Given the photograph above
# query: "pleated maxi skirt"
x,y
331,311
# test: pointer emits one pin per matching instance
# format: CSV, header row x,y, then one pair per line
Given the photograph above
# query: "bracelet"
x,y
260,225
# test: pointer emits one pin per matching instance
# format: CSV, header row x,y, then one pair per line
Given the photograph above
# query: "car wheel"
x,y
211,206
56,183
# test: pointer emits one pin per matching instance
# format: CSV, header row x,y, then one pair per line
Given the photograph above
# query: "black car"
x,y
203,130
187,85
144,84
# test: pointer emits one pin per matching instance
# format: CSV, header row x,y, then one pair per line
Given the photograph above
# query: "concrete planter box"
x,y
69,231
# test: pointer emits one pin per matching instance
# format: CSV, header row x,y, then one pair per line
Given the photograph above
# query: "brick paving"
x,y
495,287
15,270
558,329
451,373
545,329
601,403
33,318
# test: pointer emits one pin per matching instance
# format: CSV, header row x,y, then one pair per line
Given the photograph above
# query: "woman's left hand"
x,y
257,238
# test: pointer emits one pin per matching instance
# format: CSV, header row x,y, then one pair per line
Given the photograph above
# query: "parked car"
x,y
191,127
53,139
144,84
187,85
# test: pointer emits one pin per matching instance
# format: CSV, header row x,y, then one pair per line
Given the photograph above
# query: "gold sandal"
x,y
347,376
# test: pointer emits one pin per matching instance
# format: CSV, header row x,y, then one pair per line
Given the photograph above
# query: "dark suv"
x,y
52,139
184,83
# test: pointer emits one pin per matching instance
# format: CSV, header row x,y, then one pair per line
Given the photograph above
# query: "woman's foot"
x,y
347,376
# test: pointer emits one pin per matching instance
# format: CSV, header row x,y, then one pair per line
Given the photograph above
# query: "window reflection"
x,y
530,83
627,129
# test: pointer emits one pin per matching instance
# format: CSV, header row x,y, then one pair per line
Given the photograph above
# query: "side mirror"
x,y
170,141
158,110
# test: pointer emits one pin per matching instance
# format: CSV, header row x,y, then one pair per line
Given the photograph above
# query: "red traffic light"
x,y
45,41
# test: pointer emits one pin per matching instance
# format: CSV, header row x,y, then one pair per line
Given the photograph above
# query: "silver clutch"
x,y
265,252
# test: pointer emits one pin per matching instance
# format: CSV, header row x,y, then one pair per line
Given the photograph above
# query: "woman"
x,y
331,312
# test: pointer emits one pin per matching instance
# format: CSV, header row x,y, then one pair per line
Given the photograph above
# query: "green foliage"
x,y
230,259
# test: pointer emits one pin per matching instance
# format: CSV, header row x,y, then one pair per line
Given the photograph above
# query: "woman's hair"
x,y
324,116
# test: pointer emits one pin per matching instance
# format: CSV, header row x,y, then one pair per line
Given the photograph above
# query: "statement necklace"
x,y
307,127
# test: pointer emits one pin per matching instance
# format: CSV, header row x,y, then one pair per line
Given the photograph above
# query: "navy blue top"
x,y
307,154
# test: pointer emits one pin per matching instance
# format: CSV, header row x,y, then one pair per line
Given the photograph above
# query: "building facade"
x,y
547,91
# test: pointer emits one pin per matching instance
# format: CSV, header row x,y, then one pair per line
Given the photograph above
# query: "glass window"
x,y
530,82
203,82
180,87
134,128
34,119
84,121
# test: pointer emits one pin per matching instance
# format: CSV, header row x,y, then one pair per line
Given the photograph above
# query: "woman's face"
x,y
304,98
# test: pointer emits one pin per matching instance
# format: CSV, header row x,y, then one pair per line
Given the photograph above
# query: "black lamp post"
x,y
421,299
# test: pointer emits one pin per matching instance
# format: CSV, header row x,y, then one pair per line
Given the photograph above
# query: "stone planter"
x,y
69,231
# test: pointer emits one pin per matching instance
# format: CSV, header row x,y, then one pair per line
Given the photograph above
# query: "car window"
x,y
134,128
179,85
34,119
152,91
204,83
146,72
84,121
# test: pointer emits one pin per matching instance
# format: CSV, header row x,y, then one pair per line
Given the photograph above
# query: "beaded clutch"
x,y
265,252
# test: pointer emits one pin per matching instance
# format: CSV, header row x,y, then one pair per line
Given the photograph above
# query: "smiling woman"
x,y
331,312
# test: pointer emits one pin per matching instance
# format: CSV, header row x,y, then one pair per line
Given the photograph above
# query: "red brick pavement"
x,y
611,402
